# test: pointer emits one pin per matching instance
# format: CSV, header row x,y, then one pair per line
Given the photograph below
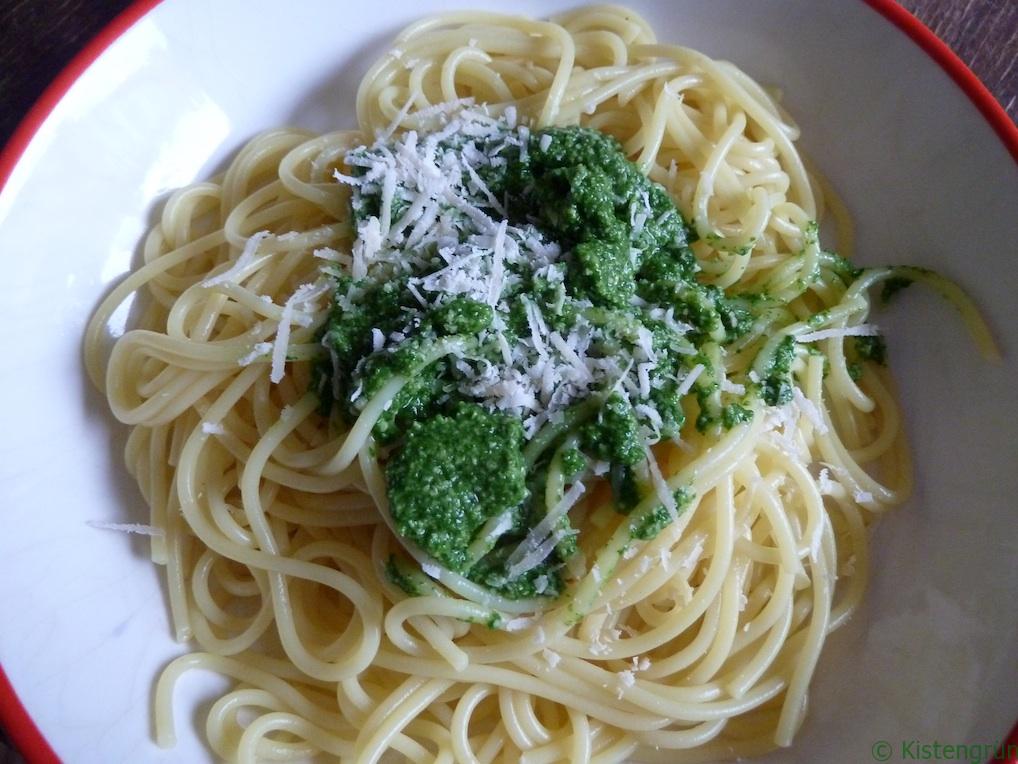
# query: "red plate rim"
x,y
14,718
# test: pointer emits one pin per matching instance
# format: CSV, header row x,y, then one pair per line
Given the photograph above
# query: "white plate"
x,y
933,656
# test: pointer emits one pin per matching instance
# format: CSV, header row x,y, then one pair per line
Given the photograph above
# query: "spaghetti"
x,y
273,522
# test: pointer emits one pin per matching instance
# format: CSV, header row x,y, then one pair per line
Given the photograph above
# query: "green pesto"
x,y
776,386
452,465
893,286
568,546
734,414
582,192
349,332
626,488
452,474
462,316
607,271
491,572
402,578
416,401
649,524
707,417
669,407
573,463
347,335
841,267
614,435
707,309
872,348
582,189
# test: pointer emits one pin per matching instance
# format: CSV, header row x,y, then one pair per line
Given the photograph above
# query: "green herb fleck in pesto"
x,y
650,524
892,286
615,435
401,577
573,463
776,386
734,414
872,348
462,315
626,489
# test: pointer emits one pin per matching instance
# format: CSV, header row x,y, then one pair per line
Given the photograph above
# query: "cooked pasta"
x,y
272,519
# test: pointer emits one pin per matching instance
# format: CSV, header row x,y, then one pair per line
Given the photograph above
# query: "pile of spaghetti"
x,y
667,426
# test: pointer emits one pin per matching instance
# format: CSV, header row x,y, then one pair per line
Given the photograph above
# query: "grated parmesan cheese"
x,y
687,382
541,539
862,330
136,528
624,680
258,350
809,409
234,274
824,483
664,493
295,310
431,197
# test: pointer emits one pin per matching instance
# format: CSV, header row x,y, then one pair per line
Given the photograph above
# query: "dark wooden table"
x,y
39,37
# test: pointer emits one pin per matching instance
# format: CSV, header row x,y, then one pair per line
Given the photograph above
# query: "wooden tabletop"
x,y
39,37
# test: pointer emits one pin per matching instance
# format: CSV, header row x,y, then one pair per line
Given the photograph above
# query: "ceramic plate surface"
x,y
933,654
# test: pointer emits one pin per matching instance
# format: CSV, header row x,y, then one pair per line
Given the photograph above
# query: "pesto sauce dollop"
x,y
452,474
560,280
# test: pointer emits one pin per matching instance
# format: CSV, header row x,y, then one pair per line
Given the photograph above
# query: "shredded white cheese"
x,y
258,350
542,538
809,409
664,493
824,483
519,624
235,273
136,528
862,330
732,387
687,382
623,681
296,309
431,197
551,658
862,497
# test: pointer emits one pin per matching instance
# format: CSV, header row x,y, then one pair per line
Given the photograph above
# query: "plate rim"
x,y
15,720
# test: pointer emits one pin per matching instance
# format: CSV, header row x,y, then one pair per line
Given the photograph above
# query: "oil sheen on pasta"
x,y
530,421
